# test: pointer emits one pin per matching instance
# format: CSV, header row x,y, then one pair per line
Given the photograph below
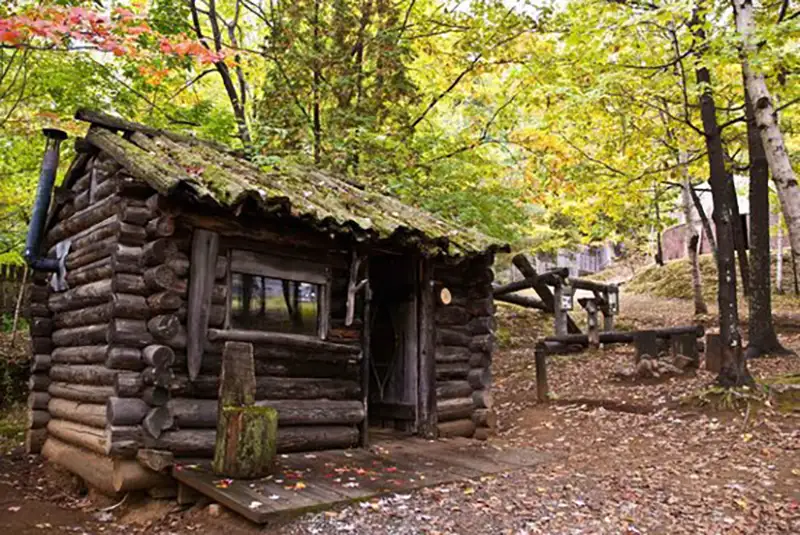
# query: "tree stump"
x,y
246,434
246,441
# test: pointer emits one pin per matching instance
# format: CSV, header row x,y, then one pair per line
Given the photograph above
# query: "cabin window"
x,y
278,294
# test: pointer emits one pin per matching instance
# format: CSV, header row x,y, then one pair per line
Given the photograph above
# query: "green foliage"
x,y
542,124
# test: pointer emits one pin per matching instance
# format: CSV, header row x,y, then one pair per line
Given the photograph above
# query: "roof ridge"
x,y
114,122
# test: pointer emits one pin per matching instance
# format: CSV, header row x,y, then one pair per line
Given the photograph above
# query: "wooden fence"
x,y
11,278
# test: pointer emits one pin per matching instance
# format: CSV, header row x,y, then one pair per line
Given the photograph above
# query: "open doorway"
x,y
393,344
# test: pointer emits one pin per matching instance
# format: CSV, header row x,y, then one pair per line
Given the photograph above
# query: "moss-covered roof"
x,y
209,172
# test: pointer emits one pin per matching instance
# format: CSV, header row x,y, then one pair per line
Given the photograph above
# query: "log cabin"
x,y
157,248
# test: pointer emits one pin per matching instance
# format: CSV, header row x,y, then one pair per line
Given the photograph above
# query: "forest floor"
x,y
653,457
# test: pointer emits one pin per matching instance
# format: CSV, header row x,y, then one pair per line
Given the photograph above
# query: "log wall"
x,y
85,336
317,392
464,343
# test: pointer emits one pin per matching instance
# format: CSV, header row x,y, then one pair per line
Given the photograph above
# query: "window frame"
x,y
248,262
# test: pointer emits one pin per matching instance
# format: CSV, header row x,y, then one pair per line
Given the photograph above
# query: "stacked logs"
x,y
41,325
314,390
464,343
97,330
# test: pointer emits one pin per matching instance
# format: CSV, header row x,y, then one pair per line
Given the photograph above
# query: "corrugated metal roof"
x,y
212,173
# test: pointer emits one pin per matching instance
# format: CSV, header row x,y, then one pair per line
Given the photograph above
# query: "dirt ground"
x,y
625,458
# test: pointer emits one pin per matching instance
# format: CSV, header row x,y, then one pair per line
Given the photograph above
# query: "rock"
x,y
624,374
214,510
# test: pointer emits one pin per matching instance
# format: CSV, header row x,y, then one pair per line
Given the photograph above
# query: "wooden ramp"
x,y
303,482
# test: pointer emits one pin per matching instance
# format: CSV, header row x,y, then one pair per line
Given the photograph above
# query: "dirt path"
x,y
647,466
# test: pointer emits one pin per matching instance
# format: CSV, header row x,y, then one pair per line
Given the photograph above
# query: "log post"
x,y
247,434
646,344
541,373
593,325
560,321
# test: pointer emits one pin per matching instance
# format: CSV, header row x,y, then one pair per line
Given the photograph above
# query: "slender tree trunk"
x,y
738,235
659,247
317,79
692,239
707,230
761,331
779,260
767,122
236,100
734,367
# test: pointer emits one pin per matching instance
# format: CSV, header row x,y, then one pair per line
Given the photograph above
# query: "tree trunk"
x,y
771,136
692,239
738,235
761,331
734,370
659,248
779,261
712,242
316,83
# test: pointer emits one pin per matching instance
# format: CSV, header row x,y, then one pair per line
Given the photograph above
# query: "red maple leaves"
x,y
123,33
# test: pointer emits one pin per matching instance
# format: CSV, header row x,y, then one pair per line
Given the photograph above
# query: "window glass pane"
x,y
265,304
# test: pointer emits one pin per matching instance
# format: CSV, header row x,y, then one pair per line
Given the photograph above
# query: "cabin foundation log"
x,y
200,442
91,414
202,413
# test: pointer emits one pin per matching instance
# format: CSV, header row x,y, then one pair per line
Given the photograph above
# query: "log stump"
x,y
247,435
247,442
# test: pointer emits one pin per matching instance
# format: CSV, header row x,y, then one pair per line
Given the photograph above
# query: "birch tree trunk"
x,y
779,261
692,239
767,122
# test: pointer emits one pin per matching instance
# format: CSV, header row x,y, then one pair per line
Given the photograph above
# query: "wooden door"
x,y
394,343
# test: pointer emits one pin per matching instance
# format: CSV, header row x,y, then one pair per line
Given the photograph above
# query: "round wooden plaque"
x,y
445,296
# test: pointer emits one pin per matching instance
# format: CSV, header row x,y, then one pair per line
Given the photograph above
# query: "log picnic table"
x,y
568,338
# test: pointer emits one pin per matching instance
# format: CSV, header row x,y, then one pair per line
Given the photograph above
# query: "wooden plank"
x,y
276,267
366,340
283,339
236,495
338,476
424,470
205,247
473,459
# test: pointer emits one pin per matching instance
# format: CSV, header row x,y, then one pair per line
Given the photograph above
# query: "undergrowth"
x,y
12,427
14,362
674,280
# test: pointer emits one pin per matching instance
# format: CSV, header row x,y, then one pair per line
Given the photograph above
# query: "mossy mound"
x,y
674,279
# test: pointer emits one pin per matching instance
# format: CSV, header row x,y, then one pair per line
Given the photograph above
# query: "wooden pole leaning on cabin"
x,y
205,248
366,340
247,435
427,414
